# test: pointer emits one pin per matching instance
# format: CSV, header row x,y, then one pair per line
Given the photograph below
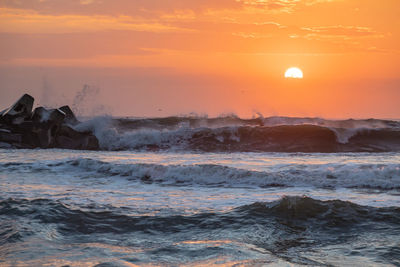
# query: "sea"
x,y
199,191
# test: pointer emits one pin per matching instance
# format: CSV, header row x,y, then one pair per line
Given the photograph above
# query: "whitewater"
x,y
197,191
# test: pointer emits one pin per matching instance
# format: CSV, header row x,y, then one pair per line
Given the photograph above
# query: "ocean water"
x,y
207,192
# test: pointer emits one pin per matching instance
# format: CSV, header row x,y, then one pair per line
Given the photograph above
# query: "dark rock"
x,y
46,124
9,137
72,139
69,115
45,128
42,115
18,112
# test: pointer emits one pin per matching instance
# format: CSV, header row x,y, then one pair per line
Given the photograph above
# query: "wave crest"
x,y
370,176
232,134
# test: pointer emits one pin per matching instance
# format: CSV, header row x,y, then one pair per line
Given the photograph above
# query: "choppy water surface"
x,y
126,208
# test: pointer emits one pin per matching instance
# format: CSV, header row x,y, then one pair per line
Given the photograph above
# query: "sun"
x,y
294,73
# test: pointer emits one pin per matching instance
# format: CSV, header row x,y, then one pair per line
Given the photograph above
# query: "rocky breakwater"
x,y
20,127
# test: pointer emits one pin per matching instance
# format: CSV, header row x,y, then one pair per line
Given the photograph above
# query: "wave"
x,y
297,210
335,211
288,228
233,134
233,120
363,176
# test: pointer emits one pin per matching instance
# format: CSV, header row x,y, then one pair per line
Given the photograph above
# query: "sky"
x,y
159,58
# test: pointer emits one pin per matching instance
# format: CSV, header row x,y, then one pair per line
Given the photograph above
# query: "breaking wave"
x,y
233,134
363,176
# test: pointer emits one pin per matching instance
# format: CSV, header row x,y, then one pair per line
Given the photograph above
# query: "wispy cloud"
x,y
152,7
25,21
340,32
286,6
343,31
51,29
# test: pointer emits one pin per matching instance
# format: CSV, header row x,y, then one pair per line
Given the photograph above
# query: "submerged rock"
x,y
44,128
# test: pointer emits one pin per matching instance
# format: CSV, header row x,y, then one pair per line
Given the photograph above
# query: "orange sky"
x,y
159,58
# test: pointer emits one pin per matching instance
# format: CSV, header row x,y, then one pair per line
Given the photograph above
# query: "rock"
x,y
42,115
46,125
30,137
9,137
69,115
70,138
44,128
18,112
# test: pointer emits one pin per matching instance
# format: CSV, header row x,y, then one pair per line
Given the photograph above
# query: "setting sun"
x,y
294,73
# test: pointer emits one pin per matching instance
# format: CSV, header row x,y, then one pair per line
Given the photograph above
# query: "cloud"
x,y
286,6
273,29
340,32
49,30
25,21
144,8
150,8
